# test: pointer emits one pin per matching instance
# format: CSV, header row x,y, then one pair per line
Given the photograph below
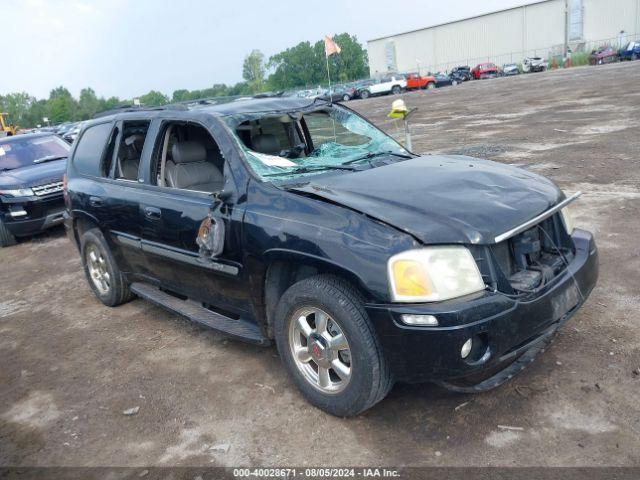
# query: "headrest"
x,y
137,140
188,152
265,143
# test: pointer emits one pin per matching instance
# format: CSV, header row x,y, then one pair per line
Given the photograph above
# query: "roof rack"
x,y
135,108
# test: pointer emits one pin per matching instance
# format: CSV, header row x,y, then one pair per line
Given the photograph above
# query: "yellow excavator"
x,y
6,130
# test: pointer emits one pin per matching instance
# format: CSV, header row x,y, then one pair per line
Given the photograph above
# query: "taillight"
x,y
65,195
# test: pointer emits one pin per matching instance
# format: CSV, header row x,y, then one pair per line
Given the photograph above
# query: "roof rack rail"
x,y
135,108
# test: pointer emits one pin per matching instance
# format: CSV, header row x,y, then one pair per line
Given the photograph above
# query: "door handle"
x,y
95,201
152,213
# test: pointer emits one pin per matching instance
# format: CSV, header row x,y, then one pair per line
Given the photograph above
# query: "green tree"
x,y
61,106
305,64
154,99
253,70
88,104
17,105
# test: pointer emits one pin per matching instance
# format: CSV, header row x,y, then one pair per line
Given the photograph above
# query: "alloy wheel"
x,y
320,350
98,270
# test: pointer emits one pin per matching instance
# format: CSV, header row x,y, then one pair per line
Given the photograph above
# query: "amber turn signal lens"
x,y
411,279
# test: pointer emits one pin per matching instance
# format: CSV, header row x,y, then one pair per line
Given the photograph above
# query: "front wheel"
x,y
346,98
634,56
101,270
329,347
454,82
6,237
431,86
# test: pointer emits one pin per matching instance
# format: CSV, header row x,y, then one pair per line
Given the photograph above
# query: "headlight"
x,y
20,192
567,219
432,274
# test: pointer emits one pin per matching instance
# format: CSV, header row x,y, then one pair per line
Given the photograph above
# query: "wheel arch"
x,y
284,268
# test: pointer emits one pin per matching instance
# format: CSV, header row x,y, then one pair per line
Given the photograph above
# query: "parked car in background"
x,y
339,94
631,51
484,70
415,81
64,128
534,64
71,134
391,84
31,170
362,85
602,55
510,69
461,74
443,80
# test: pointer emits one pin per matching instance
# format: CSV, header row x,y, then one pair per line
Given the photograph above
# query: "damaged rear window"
x,y
287,145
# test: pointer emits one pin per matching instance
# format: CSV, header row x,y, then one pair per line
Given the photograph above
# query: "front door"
x,y
189,173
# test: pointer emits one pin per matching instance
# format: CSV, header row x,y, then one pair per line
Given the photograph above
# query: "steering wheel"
x,y
293,152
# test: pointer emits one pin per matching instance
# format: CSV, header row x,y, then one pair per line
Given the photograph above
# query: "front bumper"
x,y
41,213
508,327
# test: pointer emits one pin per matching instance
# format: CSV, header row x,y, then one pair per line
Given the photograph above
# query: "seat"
x,y
266,143
189,169
130,162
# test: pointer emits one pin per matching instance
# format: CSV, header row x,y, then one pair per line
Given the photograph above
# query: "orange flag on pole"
x,y
330,47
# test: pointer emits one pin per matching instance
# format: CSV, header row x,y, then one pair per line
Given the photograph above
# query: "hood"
x,y
33,175
443,199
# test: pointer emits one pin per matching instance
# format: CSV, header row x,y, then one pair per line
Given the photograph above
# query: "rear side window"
x,y
88,153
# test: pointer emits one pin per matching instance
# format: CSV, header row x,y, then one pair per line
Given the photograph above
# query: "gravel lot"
x,y
70,366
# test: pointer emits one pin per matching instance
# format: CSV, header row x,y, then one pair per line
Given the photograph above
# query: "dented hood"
x,y
442,199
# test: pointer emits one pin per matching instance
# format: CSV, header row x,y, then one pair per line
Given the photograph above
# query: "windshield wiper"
x,y
318,168
377,154
49,158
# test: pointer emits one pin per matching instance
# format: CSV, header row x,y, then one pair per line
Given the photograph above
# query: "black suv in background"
x,y
296,220
31,170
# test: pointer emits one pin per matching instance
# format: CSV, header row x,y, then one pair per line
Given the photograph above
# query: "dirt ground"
x,y
69,366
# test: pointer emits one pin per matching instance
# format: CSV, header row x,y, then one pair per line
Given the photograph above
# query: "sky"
x,y
126,48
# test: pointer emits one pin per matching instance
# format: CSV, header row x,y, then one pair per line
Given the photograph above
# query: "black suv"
x,y
31,170
298,221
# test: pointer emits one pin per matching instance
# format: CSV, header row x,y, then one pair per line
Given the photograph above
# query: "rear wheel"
x,y
454,82
6,237
365,94
102,272
329,347
396,89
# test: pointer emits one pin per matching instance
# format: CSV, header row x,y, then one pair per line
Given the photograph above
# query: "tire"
x,y
368,379
112,290
431,86
395,90
634,56
364,94
346,98
6,237
454,82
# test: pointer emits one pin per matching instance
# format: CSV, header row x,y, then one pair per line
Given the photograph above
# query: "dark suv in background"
x,y
296,220
31,170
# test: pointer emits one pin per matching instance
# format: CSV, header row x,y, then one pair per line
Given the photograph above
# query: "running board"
x,y
238,329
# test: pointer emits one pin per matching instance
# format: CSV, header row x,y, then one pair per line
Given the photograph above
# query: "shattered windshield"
x,y
284,146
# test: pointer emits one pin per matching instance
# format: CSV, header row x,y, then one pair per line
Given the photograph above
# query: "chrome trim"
x,y
530,223
41,190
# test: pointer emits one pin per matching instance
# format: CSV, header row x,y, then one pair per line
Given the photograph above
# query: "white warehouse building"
x,y
535,29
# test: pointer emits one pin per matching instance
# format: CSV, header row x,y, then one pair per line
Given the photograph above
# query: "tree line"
x,y
299,66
